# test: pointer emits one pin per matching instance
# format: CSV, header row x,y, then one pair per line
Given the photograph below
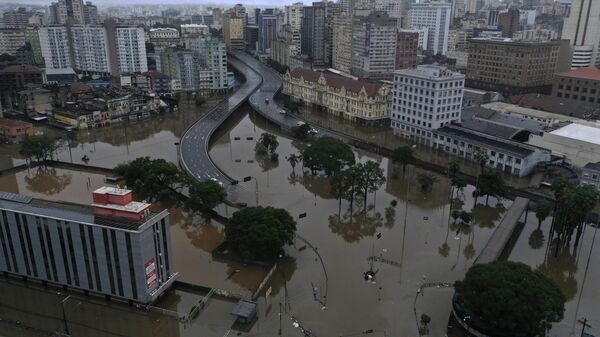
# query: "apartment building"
x,y
130,49
163,37
435,16
510,66
374,46
21,18
267,29
581,29
425,99
364,102
582,84
342,43
54,42
115,247
90,49
14,131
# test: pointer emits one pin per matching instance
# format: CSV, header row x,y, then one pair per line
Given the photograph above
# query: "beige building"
x,y
233,32
510,66
11,40
577,143
582,84
342,43
364,102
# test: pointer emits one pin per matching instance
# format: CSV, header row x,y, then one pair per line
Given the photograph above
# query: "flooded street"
x,y
320,283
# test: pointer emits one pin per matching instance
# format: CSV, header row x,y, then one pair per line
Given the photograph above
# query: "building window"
x,y
72,253
10,243
50,250
131,265
113,237
108,260
4,251
94,257
29,245
63,250
86,257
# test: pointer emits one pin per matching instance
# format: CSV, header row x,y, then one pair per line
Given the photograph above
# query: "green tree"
x,y
426,181
327,154
453,168
260,149
491,184
370,179
542,211
404,156
481,158
466,217
425,320
205,195
511,297
39,147
259,232
346,184
269,141
301,131
152,179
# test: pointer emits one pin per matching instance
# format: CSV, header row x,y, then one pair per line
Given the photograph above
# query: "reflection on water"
x,y
45,180
561,268
352,226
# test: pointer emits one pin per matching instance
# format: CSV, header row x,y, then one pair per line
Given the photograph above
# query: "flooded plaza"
x,y
320,283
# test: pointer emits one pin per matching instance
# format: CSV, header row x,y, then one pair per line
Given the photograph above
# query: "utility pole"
x,y
585,324
279,319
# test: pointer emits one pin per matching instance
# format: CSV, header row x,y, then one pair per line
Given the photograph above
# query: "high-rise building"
x,y
54,42
332,10
32,36
293,16
509,22
581,28
11,40
18,19
115,247
407,48
212,61
458,8
267,29
343,35
374,46
425,99
234,32
512,67
90,49
313,33
393,8
131,49
73,12
436,17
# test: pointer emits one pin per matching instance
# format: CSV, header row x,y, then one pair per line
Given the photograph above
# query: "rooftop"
x,y
12,122
18,69
430,71
556,105
579,132
112,190
336,81
593,166
589,73
474,136
68,211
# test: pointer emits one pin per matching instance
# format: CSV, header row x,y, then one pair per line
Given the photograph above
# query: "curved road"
x,y
193,148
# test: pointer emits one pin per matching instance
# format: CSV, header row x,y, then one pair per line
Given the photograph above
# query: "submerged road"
x,y
261,85
194,144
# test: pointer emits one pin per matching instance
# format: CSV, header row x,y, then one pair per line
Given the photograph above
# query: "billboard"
x,y
150,273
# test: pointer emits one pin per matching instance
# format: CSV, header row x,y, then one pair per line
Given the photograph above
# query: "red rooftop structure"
x,y
118,202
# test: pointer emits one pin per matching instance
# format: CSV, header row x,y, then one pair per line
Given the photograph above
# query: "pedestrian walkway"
x,y
496,243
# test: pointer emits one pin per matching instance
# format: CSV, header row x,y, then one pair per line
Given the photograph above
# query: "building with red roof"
x,y
582,85
16,77
362,101
14,131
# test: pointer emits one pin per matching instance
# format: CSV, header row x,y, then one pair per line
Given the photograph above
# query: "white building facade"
x,y
581,29
54,42
436,17
425,99
131,48
90,49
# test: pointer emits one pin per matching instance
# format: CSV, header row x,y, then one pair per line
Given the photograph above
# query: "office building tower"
x,y
425,99
126,48
267,29
581,28
509,22
313,33
90,13
115,247
11,40
19,19
234,32
332,10
512,67
435,16
343,27
293,15
374,46
407,49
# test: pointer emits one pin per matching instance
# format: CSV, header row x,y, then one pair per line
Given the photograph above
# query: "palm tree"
x,y
453,168
481,158
426,181
294,159
403,155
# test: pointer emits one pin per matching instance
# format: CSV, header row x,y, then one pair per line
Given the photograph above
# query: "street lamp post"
x,y
64,314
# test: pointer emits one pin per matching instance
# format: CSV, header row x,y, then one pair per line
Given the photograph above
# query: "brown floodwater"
x,y
416,236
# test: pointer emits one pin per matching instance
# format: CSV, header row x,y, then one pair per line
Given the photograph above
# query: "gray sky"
x,y
221,3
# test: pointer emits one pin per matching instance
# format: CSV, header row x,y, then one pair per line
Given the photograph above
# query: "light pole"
x,y
62,306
